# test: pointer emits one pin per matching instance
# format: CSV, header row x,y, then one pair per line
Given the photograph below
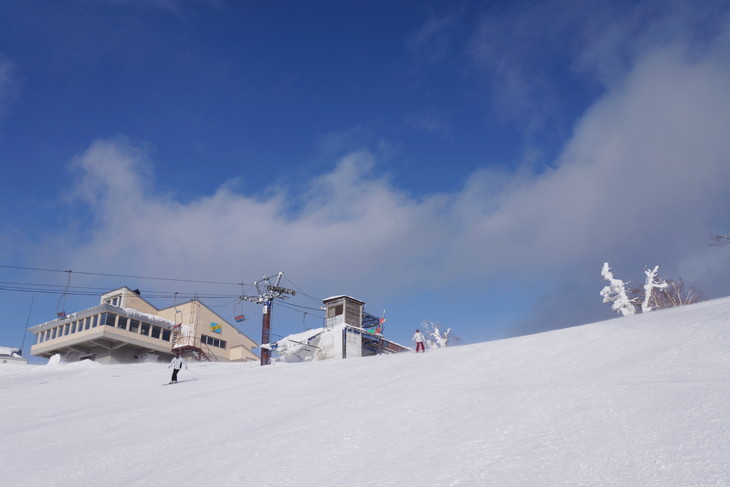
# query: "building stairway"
x,y
190,344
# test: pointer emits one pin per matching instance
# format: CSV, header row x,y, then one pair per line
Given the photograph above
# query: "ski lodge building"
x,y
125,328
348,332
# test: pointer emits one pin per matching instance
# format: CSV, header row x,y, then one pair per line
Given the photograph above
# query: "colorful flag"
x,y
216,328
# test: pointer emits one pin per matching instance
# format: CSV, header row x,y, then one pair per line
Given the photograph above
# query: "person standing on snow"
x,y
176,364
418,338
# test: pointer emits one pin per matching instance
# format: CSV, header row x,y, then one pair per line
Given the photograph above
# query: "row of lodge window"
x,y
105,319
216,342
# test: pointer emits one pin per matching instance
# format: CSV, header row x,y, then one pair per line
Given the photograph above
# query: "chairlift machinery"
x,y
266,295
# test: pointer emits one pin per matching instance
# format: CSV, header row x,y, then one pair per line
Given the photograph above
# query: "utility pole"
x,y
266,295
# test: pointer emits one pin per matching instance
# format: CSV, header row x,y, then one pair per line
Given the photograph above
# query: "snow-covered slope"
x,y
642,400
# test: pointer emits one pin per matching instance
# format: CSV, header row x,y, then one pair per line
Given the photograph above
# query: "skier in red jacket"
x,y
419,339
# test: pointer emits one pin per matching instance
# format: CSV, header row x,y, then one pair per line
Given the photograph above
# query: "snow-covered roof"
x,y
293,339
9,351
129,312
150,318
342,296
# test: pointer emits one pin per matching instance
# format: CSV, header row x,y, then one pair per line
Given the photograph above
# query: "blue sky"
x,y
472,163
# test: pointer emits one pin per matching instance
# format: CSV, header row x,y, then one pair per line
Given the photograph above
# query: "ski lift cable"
x,y
38,289
121,275
230,300
95,291
289,304
318,300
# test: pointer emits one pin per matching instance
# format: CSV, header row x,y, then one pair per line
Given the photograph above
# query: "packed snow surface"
x,y
641,400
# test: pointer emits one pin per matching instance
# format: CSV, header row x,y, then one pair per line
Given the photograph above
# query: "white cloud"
x,y
530,51
642,182
350,220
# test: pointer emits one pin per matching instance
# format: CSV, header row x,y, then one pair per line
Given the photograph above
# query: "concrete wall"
x,y
238,346
353,344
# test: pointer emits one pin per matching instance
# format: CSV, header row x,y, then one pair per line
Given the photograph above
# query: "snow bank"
x,y
56,359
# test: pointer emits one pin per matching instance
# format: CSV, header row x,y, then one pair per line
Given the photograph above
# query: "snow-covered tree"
x,y
655,294
676,293
615,293
652,283
717,240
435,338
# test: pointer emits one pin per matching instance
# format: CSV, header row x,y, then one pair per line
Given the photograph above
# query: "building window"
x,y
67,329
114,301
107,319
166,335
94,321
336,310
216,342
145,329
122,323
39,338
87,322
53,333
156,331
73,327
134,326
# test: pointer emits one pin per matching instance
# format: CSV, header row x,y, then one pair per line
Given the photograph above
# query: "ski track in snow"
x,y
640,400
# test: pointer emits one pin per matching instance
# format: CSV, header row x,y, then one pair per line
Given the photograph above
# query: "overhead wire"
x,y
293,308
69,290
104,274
300,306
318,300
129,276
95,288
49,289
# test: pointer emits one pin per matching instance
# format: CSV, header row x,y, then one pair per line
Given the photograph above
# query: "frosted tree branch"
x,y
615,293
717,240
652,282
435,338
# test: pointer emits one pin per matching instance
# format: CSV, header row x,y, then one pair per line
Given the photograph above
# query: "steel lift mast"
x,y
266,295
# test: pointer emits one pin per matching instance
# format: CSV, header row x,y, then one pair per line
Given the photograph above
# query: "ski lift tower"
x,y
266,295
